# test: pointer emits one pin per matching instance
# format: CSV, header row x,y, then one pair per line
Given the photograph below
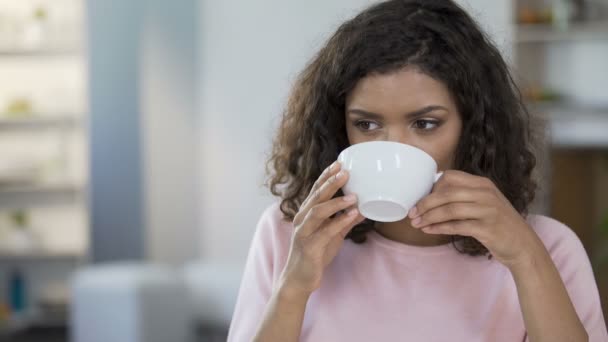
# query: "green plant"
x,y
601,250
19,218
601,256
40,13
604,226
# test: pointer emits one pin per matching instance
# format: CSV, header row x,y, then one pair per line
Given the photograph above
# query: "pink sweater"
x,y
383,290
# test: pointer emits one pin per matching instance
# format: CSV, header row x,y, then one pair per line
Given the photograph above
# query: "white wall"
x,y
143,62
116,186
250,53
496,17
170,130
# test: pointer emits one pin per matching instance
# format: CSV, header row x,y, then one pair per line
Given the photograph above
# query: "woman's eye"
x,y
426,125
366,125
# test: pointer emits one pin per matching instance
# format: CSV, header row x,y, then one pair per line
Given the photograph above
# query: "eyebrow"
x,y
415,114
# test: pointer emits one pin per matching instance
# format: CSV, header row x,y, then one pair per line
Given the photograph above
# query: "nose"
x,y
398,135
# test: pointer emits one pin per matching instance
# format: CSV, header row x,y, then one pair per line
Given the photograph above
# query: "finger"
x,y
461,227
449,212
328,172
342,234
314,193
322,212
463,179
448,195
360,218
326,191
336,226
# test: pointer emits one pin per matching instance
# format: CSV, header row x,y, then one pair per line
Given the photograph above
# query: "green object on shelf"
x,y
20,218
601,255
18,108
40,13
604,226
604,222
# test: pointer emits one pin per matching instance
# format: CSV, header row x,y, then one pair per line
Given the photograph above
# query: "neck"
x,y
402,231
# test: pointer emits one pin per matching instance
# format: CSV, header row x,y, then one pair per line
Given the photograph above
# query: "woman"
x,y
468,263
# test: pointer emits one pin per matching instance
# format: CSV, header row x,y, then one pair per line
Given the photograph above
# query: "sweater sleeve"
x,y
257,281
572,262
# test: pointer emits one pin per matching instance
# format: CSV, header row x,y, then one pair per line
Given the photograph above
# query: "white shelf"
x,y
539,33
41,256
29,196
39,122
40,52
577,127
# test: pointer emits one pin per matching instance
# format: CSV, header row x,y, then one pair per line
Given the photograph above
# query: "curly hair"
x,y
441,40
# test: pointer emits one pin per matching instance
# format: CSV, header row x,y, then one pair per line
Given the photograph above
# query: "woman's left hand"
x,y
469,205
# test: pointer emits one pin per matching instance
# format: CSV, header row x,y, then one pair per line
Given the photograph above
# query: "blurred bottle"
x,y
35,30
562,11
17,294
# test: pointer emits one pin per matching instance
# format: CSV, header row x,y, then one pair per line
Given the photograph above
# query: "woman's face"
x,y
405,106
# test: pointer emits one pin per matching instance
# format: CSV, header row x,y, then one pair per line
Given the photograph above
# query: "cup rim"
x,y
394,143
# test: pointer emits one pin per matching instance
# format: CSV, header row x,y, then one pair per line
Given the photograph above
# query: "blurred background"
x,y
133,136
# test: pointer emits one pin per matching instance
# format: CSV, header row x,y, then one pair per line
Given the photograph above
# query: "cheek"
x,y
444,151
444,156
349,134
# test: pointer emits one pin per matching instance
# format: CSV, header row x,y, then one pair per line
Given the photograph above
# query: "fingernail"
x,y
352,212
350,198
413,212
340,174
416,221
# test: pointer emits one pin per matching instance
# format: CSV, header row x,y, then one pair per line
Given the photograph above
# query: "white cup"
x,y
389,178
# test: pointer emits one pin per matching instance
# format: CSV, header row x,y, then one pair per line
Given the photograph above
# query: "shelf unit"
x,y
579,128
546,33
31,122
52,137
41,256
36,195
39,52
573,126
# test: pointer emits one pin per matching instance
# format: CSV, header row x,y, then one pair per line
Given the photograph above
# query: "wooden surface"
x,y
579,198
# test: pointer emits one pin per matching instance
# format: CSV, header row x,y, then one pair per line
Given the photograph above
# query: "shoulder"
x,y
551,231
273,228
559,239
572,262
273,218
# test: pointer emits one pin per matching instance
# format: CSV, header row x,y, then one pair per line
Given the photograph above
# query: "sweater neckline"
x,y
409,249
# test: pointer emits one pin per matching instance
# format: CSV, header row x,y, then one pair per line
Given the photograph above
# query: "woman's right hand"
x,y
318,237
